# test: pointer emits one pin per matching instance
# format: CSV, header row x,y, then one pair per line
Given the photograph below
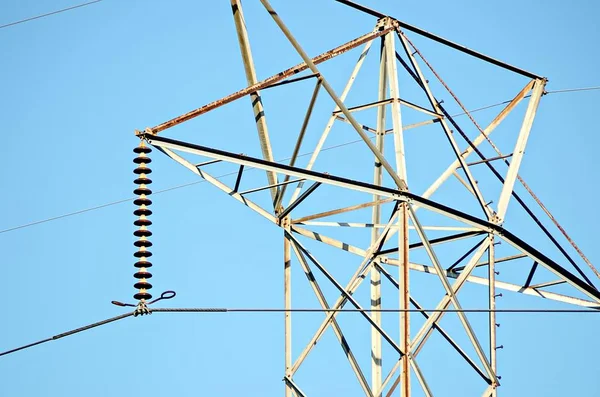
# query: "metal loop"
x,y
164,295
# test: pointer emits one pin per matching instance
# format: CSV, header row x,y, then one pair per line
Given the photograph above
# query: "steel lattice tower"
x,y
454,240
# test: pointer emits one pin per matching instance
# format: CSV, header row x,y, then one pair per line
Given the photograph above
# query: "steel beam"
x,y
287,300
331,121
163,142
335,326
357,127
442,40
519,151
268,81
255,97
376,353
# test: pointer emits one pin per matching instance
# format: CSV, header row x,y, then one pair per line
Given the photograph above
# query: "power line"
x,y
78,212
316,310
48,14
68,333
299,310
25,225
573,90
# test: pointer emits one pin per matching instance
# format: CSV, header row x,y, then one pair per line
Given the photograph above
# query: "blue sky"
x,y
75,87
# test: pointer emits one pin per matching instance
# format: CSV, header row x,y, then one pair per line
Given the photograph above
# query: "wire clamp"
x,y
141,309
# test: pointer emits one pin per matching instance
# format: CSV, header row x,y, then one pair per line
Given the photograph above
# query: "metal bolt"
x,y
498,295
497,273
498,325
499,347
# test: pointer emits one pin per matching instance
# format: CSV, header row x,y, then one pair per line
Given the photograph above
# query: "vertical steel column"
x,y
376,357
492,316
257,106
403,250
519,151
287,297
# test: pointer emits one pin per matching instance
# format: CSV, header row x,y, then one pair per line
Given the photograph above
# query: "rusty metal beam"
x,y
269,81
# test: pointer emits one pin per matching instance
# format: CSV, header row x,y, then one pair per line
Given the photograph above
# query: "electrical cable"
x,y
299,310
68,333
316,310
49,14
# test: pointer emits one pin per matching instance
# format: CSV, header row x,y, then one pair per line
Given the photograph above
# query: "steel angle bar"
x,y
530,275
240,159
502,180
341,210
502,285
238,179
447,299
332,119
489,392
345,224
215,182
442,40
413,363
335,326
492,313
421,109
375,292
490,159
435,241
438,328
519,150
256,99
307,116
351,286
449,135
290,81
464,183
329,241
346,294
259,189
287,298
479,139
270,80
497,260
451,294
381,226
547,284
294,386
453,268
389,377
299,200
366,106
418,373
397,179
163,142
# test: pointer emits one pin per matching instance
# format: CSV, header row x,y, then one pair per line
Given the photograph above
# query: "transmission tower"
x,y
455,231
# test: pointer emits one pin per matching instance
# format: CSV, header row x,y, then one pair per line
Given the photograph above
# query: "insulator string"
x,y
142,222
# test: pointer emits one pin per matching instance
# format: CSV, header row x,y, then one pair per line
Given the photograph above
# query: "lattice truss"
x,y
376,222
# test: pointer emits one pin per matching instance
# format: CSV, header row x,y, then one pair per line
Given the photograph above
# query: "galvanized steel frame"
x,y
375,261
